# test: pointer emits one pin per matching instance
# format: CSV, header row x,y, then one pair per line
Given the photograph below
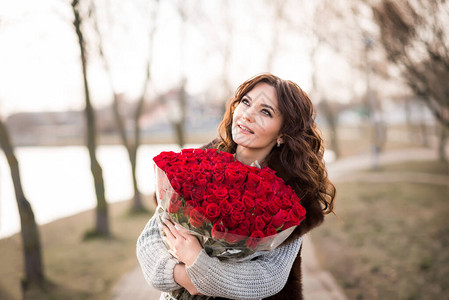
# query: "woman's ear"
x,y
279,141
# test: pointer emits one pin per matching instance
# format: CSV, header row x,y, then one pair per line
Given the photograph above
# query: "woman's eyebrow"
x,y
269,107
263,104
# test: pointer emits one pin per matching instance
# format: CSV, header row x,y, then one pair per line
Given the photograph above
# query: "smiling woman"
x,y
269,122
256,123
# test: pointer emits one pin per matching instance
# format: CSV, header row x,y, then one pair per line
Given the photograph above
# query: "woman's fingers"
x,y
176,234
183,246
168,232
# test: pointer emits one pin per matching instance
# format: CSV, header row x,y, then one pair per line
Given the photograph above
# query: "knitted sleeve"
x,y
259,278
156,263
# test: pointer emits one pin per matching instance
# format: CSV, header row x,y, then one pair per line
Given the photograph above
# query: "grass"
x,y
392,241
76,268
433,167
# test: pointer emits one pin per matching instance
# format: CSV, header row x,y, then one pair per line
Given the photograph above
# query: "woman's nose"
x,y
248,115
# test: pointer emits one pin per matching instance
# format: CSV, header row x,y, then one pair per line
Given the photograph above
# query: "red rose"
x,y
225,207
229,222
267,174
277,200
181,176
264,189
197,195
235,173
210,153
260,206
218,231
254,239
248,199
269,230
286,202
279,219
197,217
238,216
218,168
174,204
266,217
175,185
272,207
257,235
201,180
204,204
226,157
252,181
293,220
245,225
211,198
194,168
210,195
212,211
218,178
221,193
237,206
188,151
259,223
164,159
235,194
187,188
178,163
205,165
299,210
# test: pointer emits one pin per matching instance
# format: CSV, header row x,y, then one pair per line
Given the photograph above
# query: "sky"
x,y
40,66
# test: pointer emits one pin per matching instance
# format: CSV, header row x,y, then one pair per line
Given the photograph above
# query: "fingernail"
x,y
177,227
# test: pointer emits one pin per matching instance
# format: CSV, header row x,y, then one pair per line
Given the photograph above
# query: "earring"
x,y
279,142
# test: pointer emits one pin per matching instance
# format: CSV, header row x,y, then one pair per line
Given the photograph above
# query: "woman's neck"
x,y
250,156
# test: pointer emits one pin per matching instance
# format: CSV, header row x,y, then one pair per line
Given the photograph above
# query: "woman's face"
x,y
257,121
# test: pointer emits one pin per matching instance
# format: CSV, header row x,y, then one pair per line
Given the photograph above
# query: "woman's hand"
x,y
183,246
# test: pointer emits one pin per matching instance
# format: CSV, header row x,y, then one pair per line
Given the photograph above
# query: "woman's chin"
x,y
242,140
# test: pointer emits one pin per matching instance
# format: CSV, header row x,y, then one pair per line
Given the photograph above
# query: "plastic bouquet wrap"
x,y
233,209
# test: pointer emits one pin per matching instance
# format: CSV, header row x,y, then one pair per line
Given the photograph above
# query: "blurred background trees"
x,y
159,73
415,37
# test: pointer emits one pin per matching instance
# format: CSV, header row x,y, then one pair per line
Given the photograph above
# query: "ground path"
x,y
318,283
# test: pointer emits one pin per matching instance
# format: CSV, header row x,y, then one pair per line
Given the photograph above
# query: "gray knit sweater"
x,y
261,277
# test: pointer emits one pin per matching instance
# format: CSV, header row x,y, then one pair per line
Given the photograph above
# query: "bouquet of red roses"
x,y
233,209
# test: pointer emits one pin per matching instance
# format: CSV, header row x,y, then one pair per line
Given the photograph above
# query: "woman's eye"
x,y
266,112
245,101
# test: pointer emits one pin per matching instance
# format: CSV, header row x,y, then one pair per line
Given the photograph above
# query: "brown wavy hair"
x,y
299,160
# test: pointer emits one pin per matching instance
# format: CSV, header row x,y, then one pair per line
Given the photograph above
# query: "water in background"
x,y
57,180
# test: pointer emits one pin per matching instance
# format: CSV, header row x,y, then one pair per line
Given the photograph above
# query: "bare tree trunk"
x,y
34,270
137,203
179,123
102,220
179,120
330,115
442,143
332,121
131,145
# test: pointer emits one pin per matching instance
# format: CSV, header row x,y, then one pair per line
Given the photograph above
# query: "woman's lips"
x,y
245,129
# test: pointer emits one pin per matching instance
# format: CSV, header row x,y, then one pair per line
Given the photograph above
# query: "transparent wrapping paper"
x,y
221,243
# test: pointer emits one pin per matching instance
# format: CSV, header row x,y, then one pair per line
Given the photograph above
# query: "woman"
x,y
269,122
